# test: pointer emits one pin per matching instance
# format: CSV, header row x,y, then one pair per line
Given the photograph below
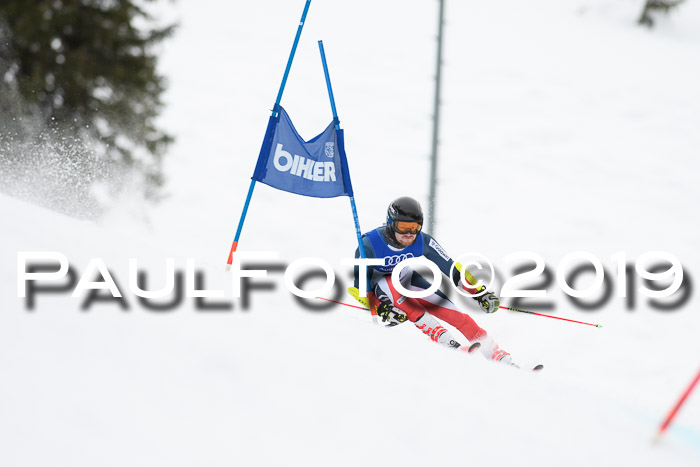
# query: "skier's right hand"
x,y
489,302
390,313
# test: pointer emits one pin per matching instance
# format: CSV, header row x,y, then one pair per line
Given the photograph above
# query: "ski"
x,y
355,293
536,369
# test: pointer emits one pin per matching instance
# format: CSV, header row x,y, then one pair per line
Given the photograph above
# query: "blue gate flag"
x,y
316,168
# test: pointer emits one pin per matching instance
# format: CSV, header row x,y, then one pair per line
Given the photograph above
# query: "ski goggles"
x,y
404,227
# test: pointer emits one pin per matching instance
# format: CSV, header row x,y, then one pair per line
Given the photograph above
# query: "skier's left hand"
x,y
489,302
390,313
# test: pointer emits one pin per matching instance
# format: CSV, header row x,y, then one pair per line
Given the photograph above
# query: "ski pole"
x,y
503,307
346,304
676,407
548,316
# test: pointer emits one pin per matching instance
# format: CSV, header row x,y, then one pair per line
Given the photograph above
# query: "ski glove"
x,y
488,302
390,313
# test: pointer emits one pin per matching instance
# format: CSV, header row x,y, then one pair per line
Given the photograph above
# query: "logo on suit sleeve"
x,y
436,246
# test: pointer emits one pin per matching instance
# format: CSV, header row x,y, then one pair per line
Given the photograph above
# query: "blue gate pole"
x,y
328,85
275,110
337,127
355,217
275,113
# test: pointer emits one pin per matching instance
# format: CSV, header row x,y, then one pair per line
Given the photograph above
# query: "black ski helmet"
x,y
402,209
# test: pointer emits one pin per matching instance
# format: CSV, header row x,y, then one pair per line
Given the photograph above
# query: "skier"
x,y
402,237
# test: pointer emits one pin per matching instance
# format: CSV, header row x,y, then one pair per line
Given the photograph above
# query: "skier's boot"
x,y
490,350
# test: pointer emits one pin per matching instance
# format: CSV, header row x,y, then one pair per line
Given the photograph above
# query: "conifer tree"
x,y
86,69
646,18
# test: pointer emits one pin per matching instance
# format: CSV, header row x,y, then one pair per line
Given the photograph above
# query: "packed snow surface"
x,y
566,127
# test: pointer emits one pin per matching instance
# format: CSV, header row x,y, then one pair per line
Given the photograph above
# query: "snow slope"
x,y
566,123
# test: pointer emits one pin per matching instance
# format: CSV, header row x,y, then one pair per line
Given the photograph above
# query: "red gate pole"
x,y
676,407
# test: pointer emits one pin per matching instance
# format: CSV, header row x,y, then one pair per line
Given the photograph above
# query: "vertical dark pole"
x,y
436,125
